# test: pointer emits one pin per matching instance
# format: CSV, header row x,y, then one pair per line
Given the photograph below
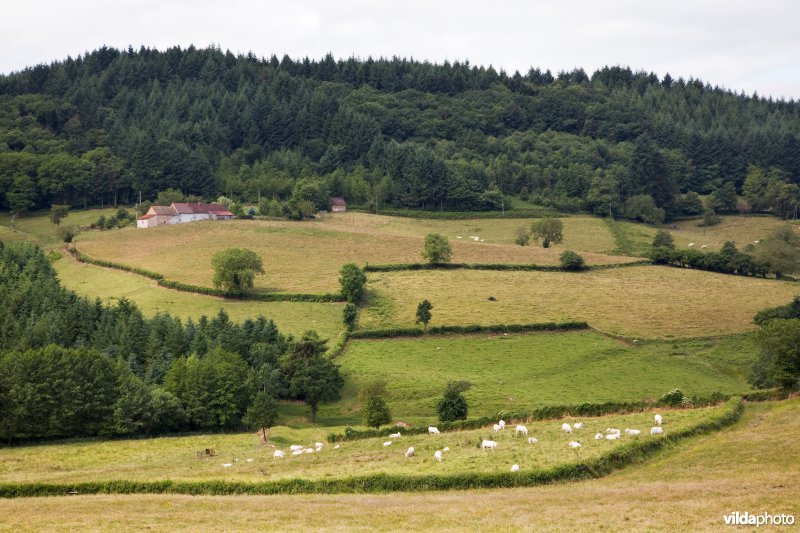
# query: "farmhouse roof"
x,y
161,210
145,217
197,208
338,201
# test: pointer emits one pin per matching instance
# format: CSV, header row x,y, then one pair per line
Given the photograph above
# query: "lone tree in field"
x,y
549,230
374,410
352,279
58,213
311,375
424,313
261,414
235,269
453,405
437,249
663,239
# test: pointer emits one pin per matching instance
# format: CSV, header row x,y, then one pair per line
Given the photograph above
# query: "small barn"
x,y
338,205
178,213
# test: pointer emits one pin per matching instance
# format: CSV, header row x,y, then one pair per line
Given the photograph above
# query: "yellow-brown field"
x,y
307,256
740,230
641,301
109,285
752,466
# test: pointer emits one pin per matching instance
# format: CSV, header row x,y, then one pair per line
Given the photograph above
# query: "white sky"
x,y
749,46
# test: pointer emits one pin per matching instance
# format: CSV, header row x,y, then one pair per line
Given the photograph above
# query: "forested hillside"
x,y
98,129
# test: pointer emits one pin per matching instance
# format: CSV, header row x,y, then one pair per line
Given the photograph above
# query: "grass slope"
x,y
108,285
646,301
751,466
523,372
306,256
173,458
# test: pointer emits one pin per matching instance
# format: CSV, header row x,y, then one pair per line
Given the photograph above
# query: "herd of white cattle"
x,y
519,430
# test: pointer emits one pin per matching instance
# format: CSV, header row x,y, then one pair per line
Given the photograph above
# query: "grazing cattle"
x,y
446,449
658,419
574,445
515,468
496,428
438,455
387,443
532,440
502,424
227,465
488,444
521,429
577,425
656,430
297,452
598,436
566,427
394,435
409,452
278,454
612,436
433,430
295,447
612,430
632,432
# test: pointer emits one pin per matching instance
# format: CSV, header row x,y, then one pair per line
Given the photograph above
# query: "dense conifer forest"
x,y
100,128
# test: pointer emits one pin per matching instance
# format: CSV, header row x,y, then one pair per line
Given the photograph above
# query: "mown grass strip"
x,y
624,245
619,457
206,291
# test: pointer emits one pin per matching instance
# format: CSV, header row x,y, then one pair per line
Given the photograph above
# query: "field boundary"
x,y
463,215
82,257
390,333
497,266
623,455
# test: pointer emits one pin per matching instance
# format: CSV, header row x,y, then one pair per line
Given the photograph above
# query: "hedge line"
x,y
492,266
623,455
207,291
551,412
470,328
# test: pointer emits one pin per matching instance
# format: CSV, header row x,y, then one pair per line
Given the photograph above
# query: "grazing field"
x,y
740,230
38,229
521,372
751,466
174,457
642,301
108,285
306,256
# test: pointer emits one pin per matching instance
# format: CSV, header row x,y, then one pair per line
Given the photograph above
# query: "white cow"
x,y
656,430
521,429
515,468
278,454
566,427
409,452
438,455
433,430
532,440
488,444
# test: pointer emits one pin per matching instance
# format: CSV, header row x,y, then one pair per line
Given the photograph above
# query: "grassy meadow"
x,y
740,230
750,466
174,458
520,372
306,256
642,301
37,228
109,284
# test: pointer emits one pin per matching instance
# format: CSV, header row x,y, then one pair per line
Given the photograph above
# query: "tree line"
x,y
101,127
76,367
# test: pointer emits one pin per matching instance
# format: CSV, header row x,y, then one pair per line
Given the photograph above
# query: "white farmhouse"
x,y
178,213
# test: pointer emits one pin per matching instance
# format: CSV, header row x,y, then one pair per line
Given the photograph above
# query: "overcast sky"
x,y
749,46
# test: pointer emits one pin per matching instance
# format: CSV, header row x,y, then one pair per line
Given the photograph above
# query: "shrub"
x,y
674,398
453,405
436,249
571,261
352,279
67,233
350,316
710,218
663,239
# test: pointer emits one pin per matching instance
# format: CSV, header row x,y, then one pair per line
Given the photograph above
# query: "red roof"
x,y
199,208
145,217
338,201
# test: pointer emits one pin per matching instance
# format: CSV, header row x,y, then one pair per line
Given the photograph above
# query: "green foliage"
x,y
67,233
453,405
169,196
690,204
312,377
549,230
663,239
262,413
235,269
472,328
643,207
727,261
790,310
374,408
571,261
710,218
352,279
350,316
779,361
424,313
436,249
58,213
781,251
673,398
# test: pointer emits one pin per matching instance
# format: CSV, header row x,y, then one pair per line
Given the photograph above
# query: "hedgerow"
x,y
469,328
492,266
